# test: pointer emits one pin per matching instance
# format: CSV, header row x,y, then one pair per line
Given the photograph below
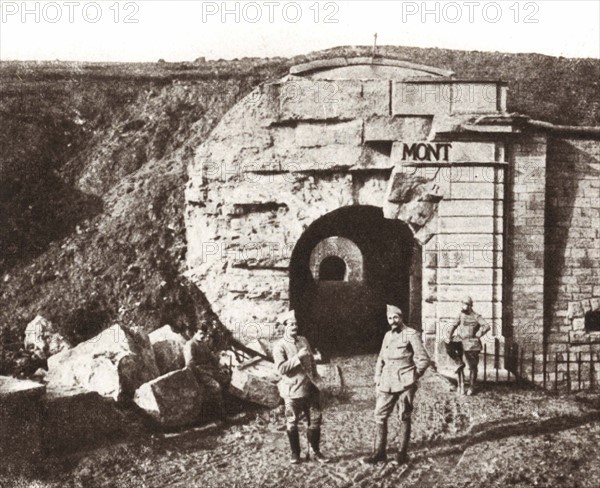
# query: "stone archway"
x,y
335,255
348,315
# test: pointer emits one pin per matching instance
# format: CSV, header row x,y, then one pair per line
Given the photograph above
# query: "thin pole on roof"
x,y
374,47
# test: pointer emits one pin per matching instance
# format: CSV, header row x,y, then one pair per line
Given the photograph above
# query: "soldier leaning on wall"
x,y
469,327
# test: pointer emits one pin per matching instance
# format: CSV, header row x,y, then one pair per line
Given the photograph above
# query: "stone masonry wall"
x,y
524,263
297,149
572,247
275,164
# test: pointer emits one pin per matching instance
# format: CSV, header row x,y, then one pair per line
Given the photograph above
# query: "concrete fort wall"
x,y
297,149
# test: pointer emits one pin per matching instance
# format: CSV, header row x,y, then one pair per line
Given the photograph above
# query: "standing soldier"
x,y
401,362
471,327
294,360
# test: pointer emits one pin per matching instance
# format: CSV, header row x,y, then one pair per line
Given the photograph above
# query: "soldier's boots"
x,y
472,381
314,442
404,436
378,455
461,380
294,438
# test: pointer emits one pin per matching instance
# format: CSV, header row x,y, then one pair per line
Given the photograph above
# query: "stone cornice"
x,y
324,64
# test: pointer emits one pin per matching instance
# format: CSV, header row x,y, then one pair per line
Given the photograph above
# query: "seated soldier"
x,y
207,370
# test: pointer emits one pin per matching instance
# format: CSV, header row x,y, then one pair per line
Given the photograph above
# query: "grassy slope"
x,y
93,158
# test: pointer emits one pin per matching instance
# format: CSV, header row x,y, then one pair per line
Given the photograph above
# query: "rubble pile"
x,y
80,398
114,364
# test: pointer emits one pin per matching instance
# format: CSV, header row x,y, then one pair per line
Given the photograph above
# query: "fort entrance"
x,y
344,269
352,182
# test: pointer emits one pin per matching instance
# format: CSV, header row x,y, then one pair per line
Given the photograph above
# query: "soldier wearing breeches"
x,y
294,360
401,362
207,371
469,328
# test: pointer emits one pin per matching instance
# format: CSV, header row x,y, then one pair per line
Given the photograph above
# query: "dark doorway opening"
x,y
592,321
332,268
347,316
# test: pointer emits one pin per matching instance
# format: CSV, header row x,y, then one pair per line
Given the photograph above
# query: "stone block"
x,y
471,174
481,208
582,337
476,191
385,128
575,310
332,99
114,364
256,381
76,418
595,304
172,400
20,419
280,160
472,242
325,134
479,225
473,152
168,349
475,97
479,293
421,98
579,323
469,276
467,258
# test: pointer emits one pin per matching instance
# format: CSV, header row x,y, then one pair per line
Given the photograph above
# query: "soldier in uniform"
x,y
401,362
470,327
294,360
207,370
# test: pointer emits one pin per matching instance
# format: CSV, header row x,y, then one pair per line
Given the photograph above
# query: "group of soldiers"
x,y
401,362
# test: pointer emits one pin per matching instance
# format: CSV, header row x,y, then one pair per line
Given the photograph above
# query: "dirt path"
x,y
500,437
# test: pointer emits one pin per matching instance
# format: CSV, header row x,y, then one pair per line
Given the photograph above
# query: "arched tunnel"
x,y
343,270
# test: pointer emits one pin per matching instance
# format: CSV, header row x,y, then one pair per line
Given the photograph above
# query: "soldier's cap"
x,y
467,300
286,316
392,309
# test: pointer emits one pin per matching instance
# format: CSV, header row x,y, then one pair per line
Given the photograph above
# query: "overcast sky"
x,y
147,30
